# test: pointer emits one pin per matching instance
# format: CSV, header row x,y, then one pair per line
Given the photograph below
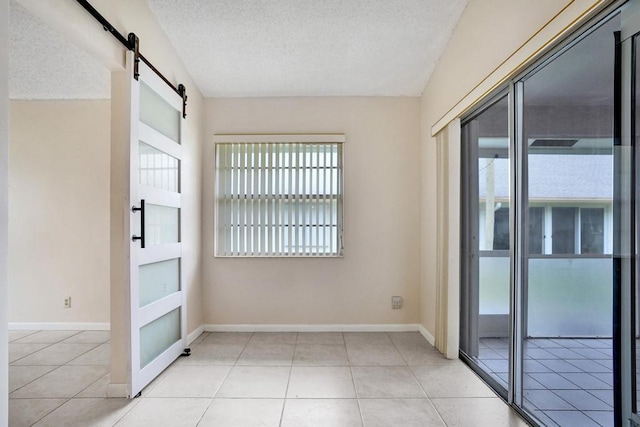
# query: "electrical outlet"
x,y
67,302
396,303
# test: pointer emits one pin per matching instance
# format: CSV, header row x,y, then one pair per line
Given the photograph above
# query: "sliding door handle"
x,y
135,209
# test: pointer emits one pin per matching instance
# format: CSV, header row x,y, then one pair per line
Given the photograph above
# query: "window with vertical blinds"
x,y
279,195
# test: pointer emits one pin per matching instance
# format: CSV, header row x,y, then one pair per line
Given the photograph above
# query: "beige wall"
x,y
493,39
382,190
59,211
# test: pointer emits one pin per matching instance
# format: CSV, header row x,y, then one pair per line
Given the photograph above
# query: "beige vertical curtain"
x,y
448,240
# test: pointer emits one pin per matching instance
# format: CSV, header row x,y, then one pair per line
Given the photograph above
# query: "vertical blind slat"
x,y
236,200
229,203
300,200
338,247
230,210
318,201
277,199
222,192
245,200
241,204
325,191
236,231
234,203
255,200
229,197
294,200
303,203
219,194
330,170
277,187
232,157
248,199
296,189
290,201
265,181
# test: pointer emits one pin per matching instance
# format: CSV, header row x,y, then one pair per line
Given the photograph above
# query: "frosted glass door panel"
x,y
161,224
158,336
157,113
158,169
158,280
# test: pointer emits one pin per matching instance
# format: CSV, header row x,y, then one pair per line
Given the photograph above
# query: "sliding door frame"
x,y
627,259
518,270
469,251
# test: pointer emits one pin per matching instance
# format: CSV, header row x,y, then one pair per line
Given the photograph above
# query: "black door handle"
x,y
141,210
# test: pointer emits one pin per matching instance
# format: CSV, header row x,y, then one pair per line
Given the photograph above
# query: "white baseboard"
x,y
195,334
408,327
427,335
59,326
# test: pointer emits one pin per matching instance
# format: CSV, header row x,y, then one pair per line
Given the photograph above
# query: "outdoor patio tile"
x,y
571,418
582,400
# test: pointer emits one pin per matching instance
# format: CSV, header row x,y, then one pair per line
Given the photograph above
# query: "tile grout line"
x,y
28,335
54,409
128,411
286,390
589,390
218,389
586,415
37,351
27,355
35,379
80,355
244,348
353,381
427,398
66,399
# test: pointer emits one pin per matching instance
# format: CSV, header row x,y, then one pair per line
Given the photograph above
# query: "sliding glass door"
x,y
485,251
550,265
566,309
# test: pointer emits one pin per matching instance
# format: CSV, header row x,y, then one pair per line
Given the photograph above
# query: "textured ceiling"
x,y
257,48
308,47
45,65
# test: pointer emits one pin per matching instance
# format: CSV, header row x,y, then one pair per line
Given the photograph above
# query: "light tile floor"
x,y
244,379
567,382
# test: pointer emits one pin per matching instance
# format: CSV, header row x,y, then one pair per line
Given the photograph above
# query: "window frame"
x,y
328,138
547,232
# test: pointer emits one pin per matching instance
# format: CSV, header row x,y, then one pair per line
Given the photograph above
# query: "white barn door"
x,y
157,299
